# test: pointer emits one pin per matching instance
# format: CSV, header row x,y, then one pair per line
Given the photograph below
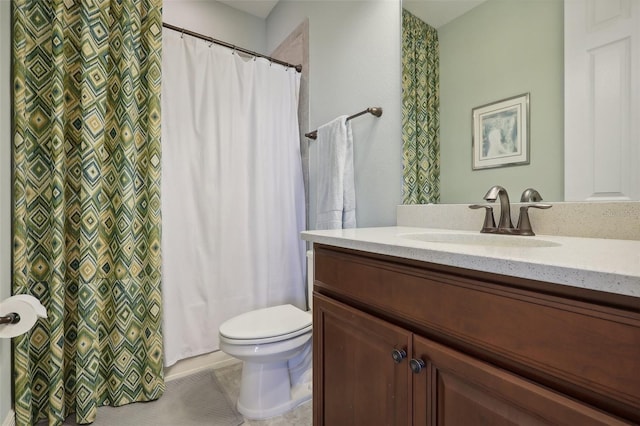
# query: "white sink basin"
x,y
492,240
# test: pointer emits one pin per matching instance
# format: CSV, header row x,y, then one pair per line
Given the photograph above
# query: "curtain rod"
x,y
230,46
377,111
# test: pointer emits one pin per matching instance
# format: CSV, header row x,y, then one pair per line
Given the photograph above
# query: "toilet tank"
x,y
310,279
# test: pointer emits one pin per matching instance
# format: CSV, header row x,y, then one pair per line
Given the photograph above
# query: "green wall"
x,y
501,49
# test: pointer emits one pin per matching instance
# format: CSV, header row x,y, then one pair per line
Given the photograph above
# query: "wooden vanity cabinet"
x,y
479,349
363,385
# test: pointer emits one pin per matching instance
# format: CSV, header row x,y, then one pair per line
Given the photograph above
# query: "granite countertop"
x,y
598,264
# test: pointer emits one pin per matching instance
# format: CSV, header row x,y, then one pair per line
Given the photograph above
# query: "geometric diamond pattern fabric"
x,y
420,111
86,233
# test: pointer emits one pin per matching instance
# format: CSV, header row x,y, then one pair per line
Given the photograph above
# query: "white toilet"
x,y
274,345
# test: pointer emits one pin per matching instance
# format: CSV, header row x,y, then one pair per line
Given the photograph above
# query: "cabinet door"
x,y
356,379
455,389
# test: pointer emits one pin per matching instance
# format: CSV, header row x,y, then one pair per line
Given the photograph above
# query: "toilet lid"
x,y
265,323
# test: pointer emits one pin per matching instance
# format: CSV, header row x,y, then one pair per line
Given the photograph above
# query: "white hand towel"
x,y
336,201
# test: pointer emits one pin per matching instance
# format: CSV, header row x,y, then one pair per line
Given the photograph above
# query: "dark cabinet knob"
x,y
398,355
416,365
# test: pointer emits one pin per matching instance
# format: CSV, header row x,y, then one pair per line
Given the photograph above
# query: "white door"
x,y
602,100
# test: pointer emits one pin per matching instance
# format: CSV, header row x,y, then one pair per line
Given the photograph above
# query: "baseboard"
x,y
196,364
10,420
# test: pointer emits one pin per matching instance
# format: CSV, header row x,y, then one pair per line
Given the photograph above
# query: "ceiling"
x,y
259,8
434,12
439,12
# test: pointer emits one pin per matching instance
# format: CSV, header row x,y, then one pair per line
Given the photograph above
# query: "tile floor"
x,y
229,378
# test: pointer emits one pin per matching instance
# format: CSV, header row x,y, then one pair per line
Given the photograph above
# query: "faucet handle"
x,y
530,195
489,222
524,224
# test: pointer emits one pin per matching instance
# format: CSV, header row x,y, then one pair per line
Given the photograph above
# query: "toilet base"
x,y
265,390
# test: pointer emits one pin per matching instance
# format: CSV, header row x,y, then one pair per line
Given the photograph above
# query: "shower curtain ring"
x,y
182,33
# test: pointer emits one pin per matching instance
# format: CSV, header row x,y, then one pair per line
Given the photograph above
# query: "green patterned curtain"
x,y
87,204
420,111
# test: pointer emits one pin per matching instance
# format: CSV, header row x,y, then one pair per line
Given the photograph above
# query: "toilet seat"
x,y
273,324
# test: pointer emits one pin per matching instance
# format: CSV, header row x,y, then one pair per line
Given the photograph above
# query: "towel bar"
x,y
377,111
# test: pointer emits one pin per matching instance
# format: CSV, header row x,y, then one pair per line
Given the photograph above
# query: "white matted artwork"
x,y
500,133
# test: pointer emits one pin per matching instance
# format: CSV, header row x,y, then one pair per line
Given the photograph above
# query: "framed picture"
x,y
500,133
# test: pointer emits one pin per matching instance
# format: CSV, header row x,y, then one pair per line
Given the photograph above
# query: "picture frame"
x,y
500,133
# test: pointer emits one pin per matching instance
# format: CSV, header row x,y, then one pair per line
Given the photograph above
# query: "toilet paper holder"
x,y
11,318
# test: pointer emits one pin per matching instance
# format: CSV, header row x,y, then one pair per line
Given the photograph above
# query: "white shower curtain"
x,y
232,191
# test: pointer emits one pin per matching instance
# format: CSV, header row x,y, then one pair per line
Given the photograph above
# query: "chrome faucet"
x,y
505,226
